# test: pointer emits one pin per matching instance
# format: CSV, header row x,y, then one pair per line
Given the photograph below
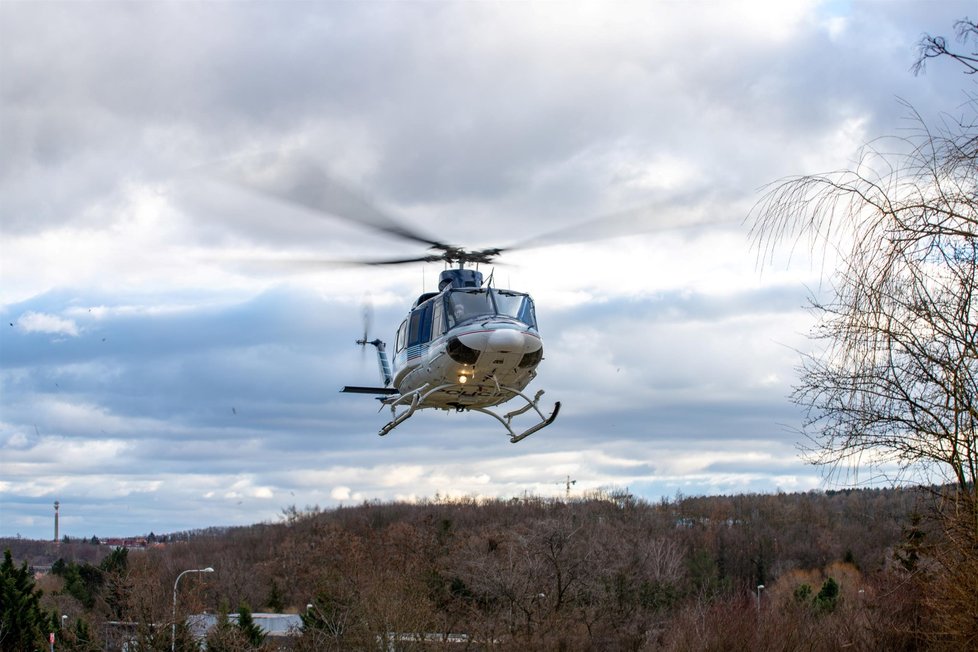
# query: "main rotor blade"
x,y
432,258
302,182
646,219
304,265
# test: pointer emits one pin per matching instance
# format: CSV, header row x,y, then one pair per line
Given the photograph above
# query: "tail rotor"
x,y
382,361
367,314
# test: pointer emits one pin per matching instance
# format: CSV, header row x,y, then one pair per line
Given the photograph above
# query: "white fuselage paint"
x,y
501,345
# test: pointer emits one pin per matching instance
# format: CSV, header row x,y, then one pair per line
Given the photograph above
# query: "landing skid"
x,y
412,400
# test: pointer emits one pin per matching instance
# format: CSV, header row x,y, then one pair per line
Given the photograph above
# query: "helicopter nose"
x,y
505,341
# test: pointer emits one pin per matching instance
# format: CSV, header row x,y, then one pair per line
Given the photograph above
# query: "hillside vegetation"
x,y
839,569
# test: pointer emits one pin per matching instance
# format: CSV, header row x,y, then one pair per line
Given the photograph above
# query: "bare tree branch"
x,y
931,47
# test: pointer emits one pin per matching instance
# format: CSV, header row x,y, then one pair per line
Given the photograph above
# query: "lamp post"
x,y
173,629
760,587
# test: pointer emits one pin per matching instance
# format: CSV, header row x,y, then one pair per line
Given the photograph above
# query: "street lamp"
x,y
760,587
173,630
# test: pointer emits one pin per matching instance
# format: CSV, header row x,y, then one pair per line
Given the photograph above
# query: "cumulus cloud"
x,y
341,493
37,322
178,340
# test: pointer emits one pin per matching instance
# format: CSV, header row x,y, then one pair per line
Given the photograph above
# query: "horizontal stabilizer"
x,y
387,391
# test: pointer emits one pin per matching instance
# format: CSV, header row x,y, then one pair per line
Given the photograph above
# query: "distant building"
x,y
129,543
279,630
277,627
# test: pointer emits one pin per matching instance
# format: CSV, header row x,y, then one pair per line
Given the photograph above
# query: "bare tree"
x,y
896,379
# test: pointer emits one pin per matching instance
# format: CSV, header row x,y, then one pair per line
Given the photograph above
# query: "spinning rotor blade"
x,y
368,317
367,314
433,258
301,182
305,265
645,219
451,255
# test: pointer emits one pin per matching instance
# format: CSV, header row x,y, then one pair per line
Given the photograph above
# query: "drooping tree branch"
x,y
931,47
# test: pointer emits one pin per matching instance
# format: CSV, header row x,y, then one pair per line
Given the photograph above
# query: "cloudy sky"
x,y
162,369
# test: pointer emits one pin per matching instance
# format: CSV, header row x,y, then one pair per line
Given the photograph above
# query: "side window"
x,y
527,314
401,337
419,330
438,317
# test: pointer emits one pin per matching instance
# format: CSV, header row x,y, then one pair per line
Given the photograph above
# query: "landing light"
x,y
462,378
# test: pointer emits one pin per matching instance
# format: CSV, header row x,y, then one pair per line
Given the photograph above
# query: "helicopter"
x,y
468,346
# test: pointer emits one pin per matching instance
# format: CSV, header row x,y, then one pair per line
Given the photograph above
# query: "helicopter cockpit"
x,y
465,304
435,314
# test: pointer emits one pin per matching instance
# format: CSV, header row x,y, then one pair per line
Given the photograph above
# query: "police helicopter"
x,y
468,346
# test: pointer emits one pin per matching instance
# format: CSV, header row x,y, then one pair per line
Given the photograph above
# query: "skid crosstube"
x,y
413,400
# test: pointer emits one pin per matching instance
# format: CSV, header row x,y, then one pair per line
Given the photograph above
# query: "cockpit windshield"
x,y
511,304
467,304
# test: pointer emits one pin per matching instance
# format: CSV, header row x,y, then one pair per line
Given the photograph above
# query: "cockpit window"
x,y
467,304
509,303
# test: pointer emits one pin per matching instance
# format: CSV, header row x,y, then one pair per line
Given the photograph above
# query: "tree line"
x,y
841,568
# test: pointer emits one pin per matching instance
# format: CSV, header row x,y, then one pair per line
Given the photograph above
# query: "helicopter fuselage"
x,y
476,344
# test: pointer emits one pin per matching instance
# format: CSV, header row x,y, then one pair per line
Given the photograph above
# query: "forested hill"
x,y
607,571
778,532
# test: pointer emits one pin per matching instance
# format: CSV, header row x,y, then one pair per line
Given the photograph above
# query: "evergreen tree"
x,y
23,624
802,593
115,585
81,581
275,600
223,636
249,628
116,562
828,597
